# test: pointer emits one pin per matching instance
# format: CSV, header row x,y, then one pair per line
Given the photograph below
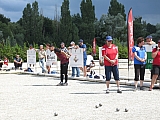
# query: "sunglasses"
x,y
109,41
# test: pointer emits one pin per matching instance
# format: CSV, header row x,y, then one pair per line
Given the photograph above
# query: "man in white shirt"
x,y
90,63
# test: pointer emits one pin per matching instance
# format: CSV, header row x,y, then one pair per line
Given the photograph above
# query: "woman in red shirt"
x,y
110,54
156,65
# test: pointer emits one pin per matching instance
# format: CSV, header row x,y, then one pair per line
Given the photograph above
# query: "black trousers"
x,y
1,64
17,65
64,72
139,70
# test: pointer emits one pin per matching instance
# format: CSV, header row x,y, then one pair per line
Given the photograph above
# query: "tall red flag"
x,y
130,37
94,46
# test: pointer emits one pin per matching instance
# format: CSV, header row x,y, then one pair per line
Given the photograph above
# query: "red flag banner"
x,y
94,46
130,37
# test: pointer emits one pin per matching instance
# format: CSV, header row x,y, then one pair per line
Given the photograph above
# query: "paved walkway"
x,y
29,97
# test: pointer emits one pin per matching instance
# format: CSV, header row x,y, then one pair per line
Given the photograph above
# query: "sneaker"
x,y
65,84
107,91
135,89
60,84
119,91
141,88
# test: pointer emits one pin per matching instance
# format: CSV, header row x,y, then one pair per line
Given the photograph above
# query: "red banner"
x,y
130,37
94,46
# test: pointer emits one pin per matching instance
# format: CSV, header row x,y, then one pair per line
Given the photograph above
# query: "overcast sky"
x,y
149,10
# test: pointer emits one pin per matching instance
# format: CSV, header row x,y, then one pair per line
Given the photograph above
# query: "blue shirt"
x,y
84,52
140,53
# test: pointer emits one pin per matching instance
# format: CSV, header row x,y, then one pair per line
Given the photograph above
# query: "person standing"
x,y
149,40
63,48
48,52
82,45
140,57
110,54
64,59
73,46
156,65
41,56
31,48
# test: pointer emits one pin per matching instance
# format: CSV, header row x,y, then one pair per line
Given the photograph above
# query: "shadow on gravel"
x,y
40,85
86,93
90,83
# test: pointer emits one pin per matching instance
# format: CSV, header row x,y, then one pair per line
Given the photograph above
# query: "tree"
x,y
77,21
26,22
87,30
65,23
3,19
151,28
5,30
156,35
17,33
139,28
115,8
111,25
36,24
32,22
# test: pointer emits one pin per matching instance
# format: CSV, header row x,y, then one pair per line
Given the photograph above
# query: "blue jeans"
x,y
114,70
41,64
77,71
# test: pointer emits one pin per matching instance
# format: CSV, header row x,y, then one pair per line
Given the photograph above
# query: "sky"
x,y
149,10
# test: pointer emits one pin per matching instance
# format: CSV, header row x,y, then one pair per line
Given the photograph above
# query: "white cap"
x,y
72,43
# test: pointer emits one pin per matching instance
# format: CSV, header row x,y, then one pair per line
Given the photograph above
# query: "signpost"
x,y
149,60
76,59
31,57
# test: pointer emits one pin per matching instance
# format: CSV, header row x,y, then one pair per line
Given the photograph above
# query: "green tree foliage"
x,y
36,24
65,23
156,35
56,32
17,33
114,26
77,20
26,22
5,30
3,19
48,30
139,28
87,30
151,28
32,22
115,8
10,52
122,48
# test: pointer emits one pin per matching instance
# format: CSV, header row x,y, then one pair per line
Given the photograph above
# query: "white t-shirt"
x,y
89,59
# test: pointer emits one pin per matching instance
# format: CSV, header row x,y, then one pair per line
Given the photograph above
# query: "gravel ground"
x,y
26,97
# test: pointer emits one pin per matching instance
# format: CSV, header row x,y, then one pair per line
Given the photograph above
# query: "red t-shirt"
x,y
62,58
156,60
111,53
6,62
